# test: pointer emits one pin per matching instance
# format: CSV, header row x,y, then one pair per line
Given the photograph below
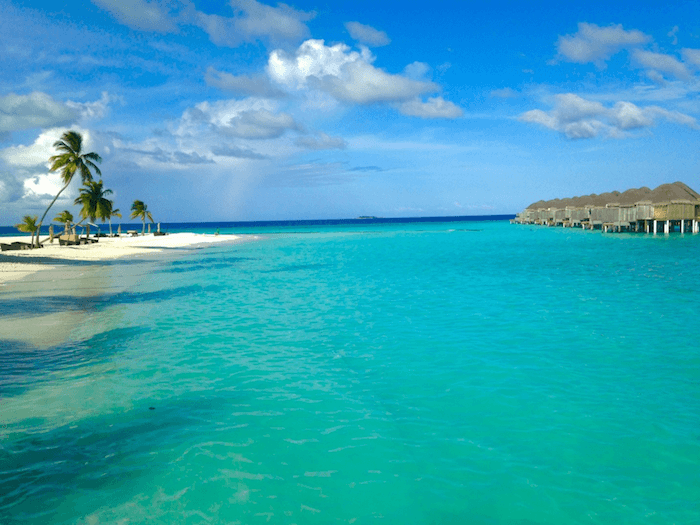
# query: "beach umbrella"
x,y
149,227
119,230
158,227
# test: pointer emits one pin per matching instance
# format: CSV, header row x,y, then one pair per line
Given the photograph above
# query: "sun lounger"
x,y
7,247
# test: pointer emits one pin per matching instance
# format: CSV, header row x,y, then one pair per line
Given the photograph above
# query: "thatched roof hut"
x,y
662,194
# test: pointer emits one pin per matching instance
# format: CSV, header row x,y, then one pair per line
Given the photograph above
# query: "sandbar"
x,y
18,264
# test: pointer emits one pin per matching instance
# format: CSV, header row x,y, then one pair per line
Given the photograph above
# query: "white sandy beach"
x,y
18,264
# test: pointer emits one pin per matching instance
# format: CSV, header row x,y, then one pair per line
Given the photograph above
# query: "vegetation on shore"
x,y
139,210
70,160
28,225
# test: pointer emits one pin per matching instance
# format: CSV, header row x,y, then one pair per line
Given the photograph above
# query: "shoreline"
x,y
16,265
33,282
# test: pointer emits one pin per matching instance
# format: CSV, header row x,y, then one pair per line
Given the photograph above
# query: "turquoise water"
x,y
478,373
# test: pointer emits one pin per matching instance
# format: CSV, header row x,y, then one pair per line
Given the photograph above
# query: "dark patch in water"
x,y
44,305
22,364
295,268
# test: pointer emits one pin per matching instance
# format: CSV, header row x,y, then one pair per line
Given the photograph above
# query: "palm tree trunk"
x,y
110,226
38,231
143,228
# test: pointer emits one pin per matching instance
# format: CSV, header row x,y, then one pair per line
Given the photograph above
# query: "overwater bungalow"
x,y
670,207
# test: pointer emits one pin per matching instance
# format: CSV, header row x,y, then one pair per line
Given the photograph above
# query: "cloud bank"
x,y
578,118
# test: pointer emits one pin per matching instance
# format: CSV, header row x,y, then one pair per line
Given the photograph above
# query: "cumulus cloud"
x,y
93,110
348,76
38,153
578,118
11,187
321,142
256,85
367,34
253,21
36,110
417,70
691,56
140,14
662,63
435,107
596,44
254,118
24,172
259,124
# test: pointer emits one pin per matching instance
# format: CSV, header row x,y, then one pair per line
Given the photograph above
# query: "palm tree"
x,y
65,218
114,213
28,225
95,204
70,160
140,210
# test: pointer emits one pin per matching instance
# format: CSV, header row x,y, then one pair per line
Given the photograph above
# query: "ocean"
x,y
465,372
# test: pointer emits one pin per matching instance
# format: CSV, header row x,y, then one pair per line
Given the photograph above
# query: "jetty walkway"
x,y
668,208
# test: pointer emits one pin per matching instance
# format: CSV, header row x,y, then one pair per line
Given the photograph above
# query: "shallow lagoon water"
x,y
474,372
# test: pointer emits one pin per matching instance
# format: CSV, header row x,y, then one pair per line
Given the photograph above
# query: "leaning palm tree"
x,y
66,218
94,202
140,210
70,160
28,225
114,213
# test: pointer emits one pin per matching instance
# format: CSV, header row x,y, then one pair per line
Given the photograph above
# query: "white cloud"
x,y
362,83
36,110
28,179
367,34
417,70
673,33
578,118
93,110
504,93
312,59
435,107
253,21
691,56
347,75
259,124
626,115
596,44
321,142
44,186
140,14
662,63
257,85
38,153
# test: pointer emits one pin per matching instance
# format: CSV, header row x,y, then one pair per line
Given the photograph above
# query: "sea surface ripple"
x,y
478,373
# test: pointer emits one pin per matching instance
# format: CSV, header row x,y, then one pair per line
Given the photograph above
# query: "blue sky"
x,y
243,110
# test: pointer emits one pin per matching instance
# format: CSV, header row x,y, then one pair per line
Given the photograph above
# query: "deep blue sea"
x,y
466,372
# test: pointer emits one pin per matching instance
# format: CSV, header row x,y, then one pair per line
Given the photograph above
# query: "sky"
x,y
239,110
